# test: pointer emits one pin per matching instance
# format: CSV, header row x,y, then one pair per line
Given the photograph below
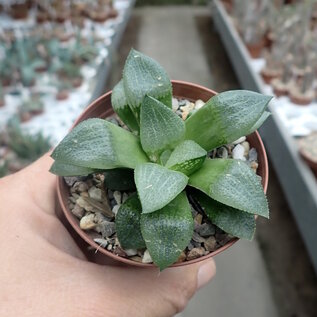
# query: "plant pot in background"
x,y
101,108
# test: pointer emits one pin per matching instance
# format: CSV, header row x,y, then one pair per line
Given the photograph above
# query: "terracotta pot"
x,y
62,95
301,99
19,11
269,74
2,103
101,108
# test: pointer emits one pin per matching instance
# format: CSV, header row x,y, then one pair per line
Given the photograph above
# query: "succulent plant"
x,y
26,146
169,159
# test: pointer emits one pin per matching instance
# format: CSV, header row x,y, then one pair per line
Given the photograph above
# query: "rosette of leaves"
x,y
169,157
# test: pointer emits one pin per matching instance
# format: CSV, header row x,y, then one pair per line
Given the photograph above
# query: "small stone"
x,y
115,209
195,244
118,251
174,104
199,104
102,242
99,218
87,222
131,252
78,211
80,187
240,140
210,244
246,146
222,152
238,152
96,193
253,155
181,258
117,197
198,219
125,196
254,165
109,247
205,230
147,257
70,180
195,253
136,259
197,238
182,102
106,228
190,246
223,238
185,115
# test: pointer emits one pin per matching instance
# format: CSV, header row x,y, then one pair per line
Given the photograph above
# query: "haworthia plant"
x,y
163,157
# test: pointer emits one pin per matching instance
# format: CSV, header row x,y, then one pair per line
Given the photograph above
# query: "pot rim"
x,y
92,243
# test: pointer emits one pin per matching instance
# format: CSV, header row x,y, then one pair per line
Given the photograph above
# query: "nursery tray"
x,y
297,180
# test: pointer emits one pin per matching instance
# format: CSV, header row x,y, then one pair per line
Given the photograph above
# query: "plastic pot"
x,y
101,108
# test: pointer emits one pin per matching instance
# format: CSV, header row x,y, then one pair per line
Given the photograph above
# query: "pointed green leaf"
x,y
62,169
157,185
165,156
233,221
160,128
144,76
120,106
128,224
187,157
232,183
168,231
258,124
119,179
225,117
99,144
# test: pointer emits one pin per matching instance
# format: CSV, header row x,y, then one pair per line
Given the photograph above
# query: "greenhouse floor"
x,y
260,278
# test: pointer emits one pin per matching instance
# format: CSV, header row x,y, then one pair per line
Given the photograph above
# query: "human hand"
x,y
44,273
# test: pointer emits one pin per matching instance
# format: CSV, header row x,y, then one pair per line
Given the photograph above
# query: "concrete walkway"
x,y
241,287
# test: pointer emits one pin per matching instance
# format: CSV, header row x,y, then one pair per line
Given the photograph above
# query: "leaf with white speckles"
x,y
128,224
98,144
187,157
120,106
233,221
62,169
157,185
233,183
142,76
226,117
160,128
168,231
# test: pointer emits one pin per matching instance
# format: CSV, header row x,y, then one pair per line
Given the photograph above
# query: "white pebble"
x,y
95,193
174,104
246,146
102,242
238,152
240,140
115,209
199,104
117,197
87,222
125,196
146,257
131,252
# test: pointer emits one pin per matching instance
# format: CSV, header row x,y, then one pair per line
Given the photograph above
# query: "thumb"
x,y
148,292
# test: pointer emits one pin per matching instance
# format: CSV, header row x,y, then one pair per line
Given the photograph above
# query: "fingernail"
x,y
205,273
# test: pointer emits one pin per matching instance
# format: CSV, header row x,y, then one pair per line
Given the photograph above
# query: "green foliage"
x,y
166,155
128,224
27,146
3,168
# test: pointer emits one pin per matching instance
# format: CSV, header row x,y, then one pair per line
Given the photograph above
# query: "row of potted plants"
x,y
284,35
19,148
60,11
